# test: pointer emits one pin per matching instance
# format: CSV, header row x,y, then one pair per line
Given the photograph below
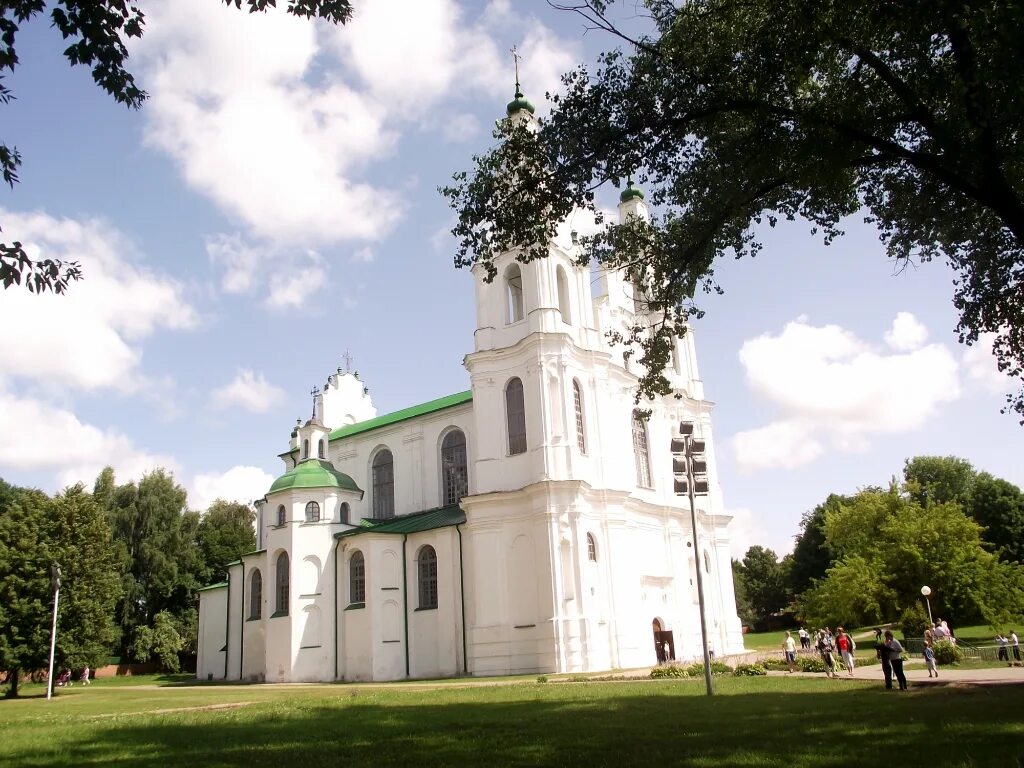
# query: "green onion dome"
x,y
314,473
519,103
630,193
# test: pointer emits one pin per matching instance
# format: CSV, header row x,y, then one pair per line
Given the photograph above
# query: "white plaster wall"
x,y
213,604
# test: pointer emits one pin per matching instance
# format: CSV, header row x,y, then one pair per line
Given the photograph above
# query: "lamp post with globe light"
x,y
925,592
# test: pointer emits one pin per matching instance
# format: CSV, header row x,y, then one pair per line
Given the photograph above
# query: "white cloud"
x,y
745,530
248,390
907,333
980,365
460,127
583,223
835,391
241,484
289,288
363,256
240,260
89,338
36,435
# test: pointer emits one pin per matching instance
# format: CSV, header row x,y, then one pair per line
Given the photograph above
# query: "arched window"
x,y
426,568
514,294
454,475
591,548
256,594
305,449
383,485
515,415
643,461
356,578
312,512
282,515
281,603
577,401
321,449
562,285
343,512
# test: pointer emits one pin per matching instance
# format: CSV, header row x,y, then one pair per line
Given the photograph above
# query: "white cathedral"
x,y
527,525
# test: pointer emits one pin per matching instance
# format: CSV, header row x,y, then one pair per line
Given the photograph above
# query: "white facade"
x,y
565,552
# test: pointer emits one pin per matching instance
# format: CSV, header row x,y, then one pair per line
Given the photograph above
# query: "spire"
x,y
519,103
631,192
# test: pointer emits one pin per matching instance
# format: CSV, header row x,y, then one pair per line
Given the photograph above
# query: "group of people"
x,y
836,650
64,678
1013,643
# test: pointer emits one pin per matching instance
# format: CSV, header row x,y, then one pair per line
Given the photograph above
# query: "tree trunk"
x,y
14,679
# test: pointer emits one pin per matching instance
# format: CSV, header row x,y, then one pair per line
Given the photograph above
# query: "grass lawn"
x,y
749,722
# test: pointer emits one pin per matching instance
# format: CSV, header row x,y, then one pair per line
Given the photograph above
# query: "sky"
x,y
274,205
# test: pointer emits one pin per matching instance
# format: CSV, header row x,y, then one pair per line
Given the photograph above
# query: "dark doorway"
x,y
664,643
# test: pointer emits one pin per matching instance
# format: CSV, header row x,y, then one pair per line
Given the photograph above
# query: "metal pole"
x,y
53,643
696,562
929,604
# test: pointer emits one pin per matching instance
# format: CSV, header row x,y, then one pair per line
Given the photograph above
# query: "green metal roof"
x,y
314,473
442,517
423,409
213,586
630,192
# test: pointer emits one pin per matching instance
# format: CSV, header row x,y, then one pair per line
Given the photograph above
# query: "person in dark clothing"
x,y
895,653
883,654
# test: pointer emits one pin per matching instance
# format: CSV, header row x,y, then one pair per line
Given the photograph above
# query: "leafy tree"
x,y
763,581
162,640
224,534
743,607
998,506
734,114
939,479
811,557
26,599
98,31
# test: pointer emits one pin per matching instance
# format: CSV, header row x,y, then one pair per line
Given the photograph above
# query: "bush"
x,y
810,663
947,653
775,665
542,678
670,670
750,670
914,622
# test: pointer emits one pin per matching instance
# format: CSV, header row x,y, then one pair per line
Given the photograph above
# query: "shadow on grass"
x,y
577,725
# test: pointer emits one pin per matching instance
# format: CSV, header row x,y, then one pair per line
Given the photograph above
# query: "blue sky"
x,y
274,204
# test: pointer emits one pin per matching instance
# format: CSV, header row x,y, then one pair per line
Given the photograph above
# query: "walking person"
x,y
825,648
85,676
895,651
883,655
1015,645
789,647
805,639
1003,654
929,660
846,648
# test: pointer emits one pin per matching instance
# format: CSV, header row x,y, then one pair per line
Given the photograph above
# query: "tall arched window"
x,y
515,415
312,512
356,578
562,285
454,474
305,449
577,401
281,593
256,594
643,461
514,294
282,515
591,548
426,569
321,449
383,485
343,512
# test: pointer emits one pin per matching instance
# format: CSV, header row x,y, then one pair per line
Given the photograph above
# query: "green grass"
x,y
749,722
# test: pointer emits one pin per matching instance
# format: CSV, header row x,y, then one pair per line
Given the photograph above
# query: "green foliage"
x,y
914,622
542,678
750,670
670,670
96,33
161,641
938,479
743,607
762,583
810,663
998,506
811,557
909,110
947,653
223,535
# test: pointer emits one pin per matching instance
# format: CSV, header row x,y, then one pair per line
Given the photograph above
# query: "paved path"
x,y
917,674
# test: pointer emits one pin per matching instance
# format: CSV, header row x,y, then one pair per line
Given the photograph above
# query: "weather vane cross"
x,y
347,357
314,392
515,58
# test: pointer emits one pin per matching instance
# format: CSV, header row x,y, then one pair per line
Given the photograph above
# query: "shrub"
x,y
947,653
670,670
810,663
773,664
750,670
542,678
914,622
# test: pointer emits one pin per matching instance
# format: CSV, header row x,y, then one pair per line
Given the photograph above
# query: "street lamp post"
x,y
55,584
925,592
689,465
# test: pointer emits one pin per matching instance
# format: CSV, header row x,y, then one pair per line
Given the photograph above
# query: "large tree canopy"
x,y
96,31
732,114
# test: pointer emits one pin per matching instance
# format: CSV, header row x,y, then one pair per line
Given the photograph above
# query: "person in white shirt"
x,y
789,646
1015,645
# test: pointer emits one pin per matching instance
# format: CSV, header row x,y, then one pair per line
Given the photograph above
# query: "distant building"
x,y
528,525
